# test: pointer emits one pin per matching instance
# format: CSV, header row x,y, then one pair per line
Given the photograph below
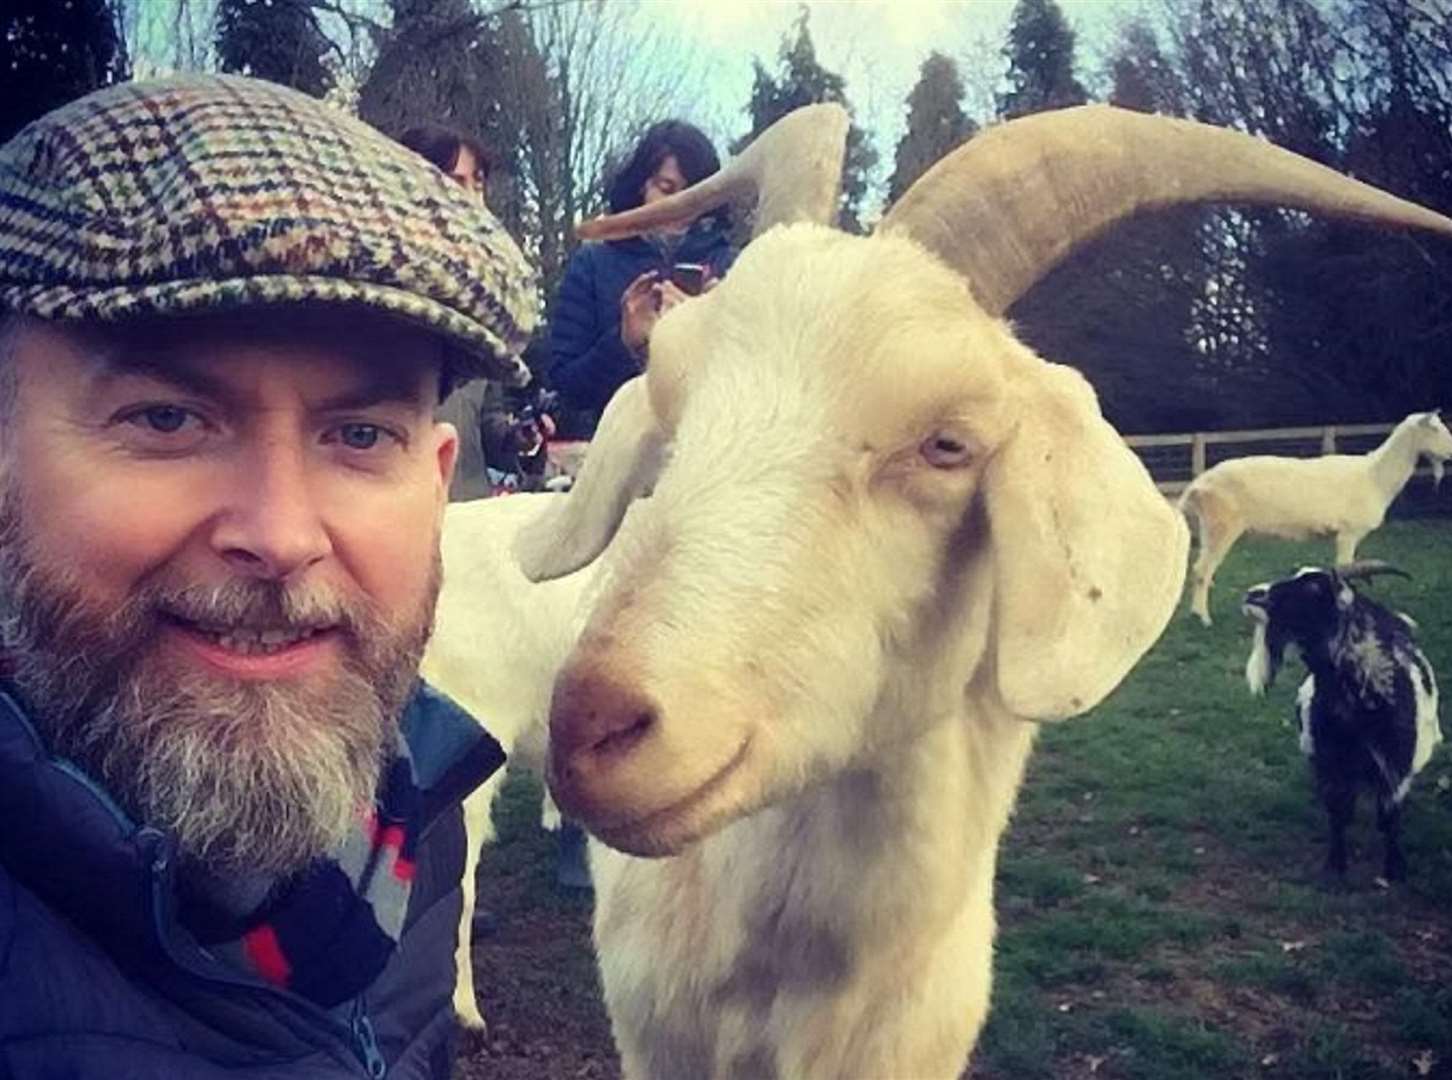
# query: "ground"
x,y
1160,912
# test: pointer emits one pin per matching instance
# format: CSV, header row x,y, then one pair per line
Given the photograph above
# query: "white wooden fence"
x,y
1175,460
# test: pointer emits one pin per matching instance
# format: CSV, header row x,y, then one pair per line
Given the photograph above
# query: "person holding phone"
x,y
613,292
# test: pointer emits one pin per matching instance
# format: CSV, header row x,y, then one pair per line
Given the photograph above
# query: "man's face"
x,y
218,565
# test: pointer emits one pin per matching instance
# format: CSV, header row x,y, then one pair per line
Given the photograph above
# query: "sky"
x,y
876,45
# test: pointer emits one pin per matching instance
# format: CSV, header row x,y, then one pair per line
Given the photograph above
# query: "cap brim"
x,y
475,351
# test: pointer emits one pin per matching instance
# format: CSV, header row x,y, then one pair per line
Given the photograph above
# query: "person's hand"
x,y
670,295
644,301
527,437
638,312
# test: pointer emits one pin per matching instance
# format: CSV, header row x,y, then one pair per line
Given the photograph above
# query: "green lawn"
x,y
1160,914
1160,910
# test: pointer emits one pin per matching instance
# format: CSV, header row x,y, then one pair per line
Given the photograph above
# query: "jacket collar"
x,y
68,841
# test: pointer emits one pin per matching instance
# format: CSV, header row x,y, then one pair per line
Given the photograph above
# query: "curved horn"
x,y
1365,569
794,168
1010,204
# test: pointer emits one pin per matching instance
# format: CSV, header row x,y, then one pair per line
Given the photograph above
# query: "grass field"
x,y
1160,912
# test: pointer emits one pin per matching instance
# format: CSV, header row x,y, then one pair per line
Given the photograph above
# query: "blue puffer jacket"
x,y
98,979
589,359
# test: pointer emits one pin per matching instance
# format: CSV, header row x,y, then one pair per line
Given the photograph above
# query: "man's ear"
x,y
1089,557
622,463
446,454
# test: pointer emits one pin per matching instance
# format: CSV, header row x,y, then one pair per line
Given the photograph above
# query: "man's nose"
x,y
272,526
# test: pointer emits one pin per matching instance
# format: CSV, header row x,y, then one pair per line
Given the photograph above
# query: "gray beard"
x,y
251,778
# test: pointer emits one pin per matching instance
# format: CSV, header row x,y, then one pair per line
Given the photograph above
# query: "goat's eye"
x,y
945,451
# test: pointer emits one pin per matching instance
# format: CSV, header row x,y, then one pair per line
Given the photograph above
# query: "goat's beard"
x,y
250,777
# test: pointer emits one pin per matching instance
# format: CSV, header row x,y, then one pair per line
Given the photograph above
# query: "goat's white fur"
x,y
1343,494
498,640
1257,664
844,644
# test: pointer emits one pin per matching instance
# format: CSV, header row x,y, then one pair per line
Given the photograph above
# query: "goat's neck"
x,y
1317,652
1393,462
927,811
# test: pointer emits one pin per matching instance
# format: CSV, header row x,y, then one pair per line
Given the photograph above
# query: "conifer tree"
x,y
52,51
936,123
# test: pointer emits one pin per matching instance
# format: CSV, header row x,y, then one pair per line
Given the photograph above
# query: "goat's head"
x,y
1434,441
869,499
1305,609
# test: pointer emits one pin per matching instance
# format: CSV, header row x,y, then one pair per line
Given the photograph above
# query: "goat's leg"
x,y
478,830
1389,821
1346,543
549,814
1217,537
1340,800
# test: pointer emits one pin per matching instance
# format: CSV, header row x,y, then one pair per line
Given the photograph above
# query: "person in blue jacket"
x,y
233,839
613,292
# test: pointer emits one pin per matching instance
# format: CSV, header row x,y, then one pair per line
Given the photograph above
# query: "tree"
x,y
162,39
1142,77
1365,312
1121,307
53,51
557,91
1040,54
802,80
429,69
278,40
936,123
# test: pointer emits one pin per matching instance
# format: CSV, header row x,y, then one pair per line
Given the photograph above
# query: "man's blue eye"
x,y
165,418
359,436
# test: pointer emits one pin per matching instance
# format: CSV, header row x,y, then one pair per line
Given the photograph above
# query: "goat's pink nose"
x,y
596,718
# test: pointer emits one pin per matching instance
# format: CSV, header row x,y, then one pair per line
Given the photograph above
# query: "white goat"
x,y
885,539
498,641
1344,494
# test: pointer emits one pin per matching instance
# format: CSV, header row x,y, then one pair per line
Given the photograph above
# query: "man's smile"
x,y
255,652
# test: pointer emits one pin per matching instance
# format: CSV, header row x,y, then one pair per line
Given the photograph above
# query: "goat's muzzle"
x,y
631,769
1257,597
596,720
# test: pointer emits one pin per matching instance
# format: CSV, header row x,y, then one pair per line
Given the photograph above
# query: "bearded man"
x,y
231,841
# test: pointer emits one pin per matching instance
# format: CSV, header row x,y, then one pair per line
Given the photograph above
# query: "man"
x,y
232,842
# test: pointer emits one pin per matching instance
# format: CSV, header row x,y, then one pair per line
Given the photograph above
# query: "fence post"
x,y
1328,439
1197,454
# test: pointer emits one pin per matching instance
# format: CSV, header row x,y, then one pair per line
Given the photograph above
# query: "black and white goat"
x,y
1368,707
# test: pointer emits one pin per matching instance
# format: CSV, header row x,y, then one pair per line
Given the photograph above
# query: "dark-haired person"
x,y
613,292
492,434
232,842
464,159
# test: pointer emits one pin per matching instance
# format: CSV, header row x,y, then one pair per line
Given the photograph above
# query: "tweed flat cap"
x,y
204,193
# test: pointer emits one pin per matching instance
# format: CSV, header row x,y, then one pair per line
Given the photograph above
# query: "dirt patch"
x,y
538,992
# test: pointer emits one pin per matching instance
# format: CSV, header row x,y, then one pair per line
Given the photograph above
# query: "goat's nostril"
x,y
621,739
596,719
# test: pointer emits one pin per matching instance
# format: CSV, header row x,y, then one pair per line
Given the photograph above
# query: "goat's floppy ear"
x,y
1089,556
621,464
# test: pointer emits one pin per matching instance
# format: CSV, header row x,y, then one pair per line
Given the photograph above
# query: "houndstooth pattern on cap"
x,y
211,192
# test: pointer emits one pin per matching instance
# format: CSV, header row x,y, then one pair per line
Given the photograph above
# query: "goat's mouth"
x,y
665,831
1255,603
